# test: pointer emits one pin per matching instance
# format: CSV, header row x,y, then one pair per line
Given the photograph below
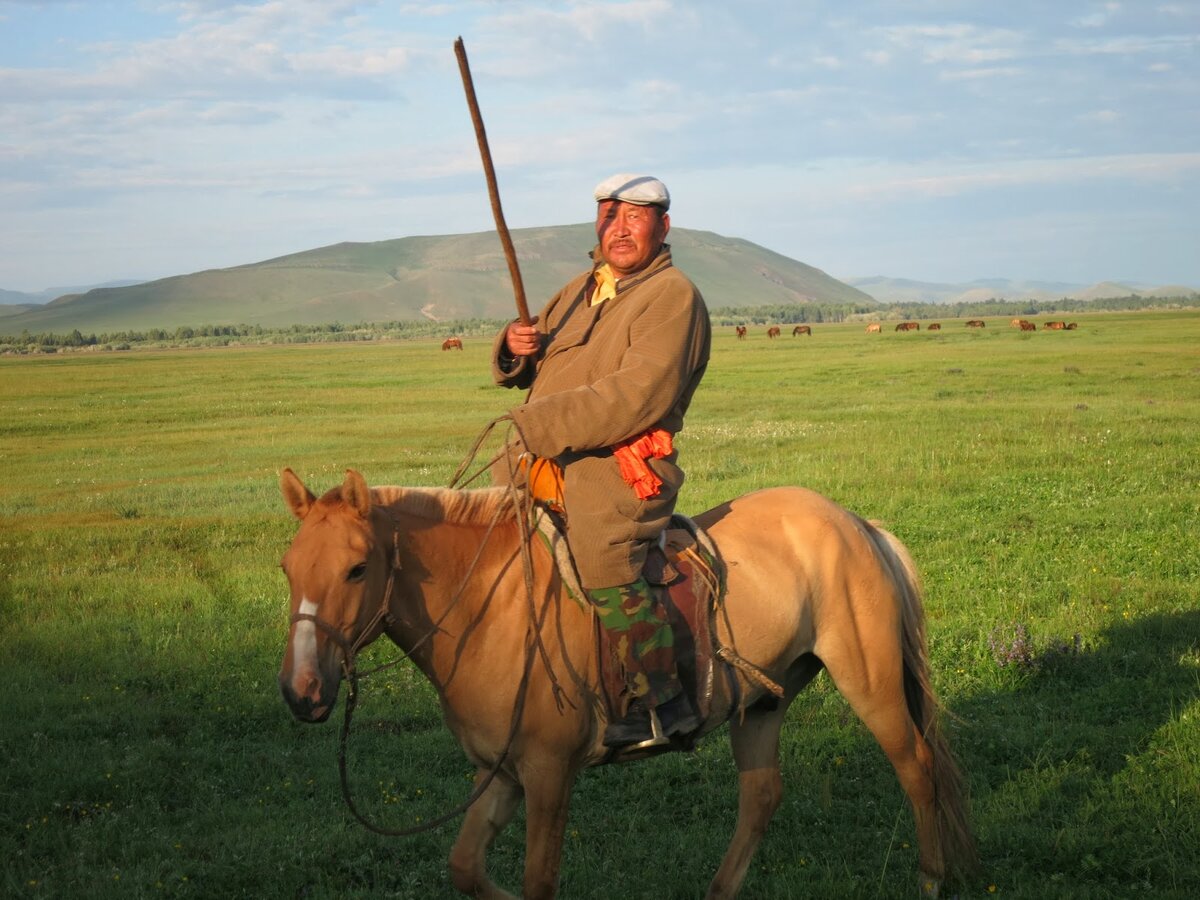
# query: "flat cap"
x,y
644,190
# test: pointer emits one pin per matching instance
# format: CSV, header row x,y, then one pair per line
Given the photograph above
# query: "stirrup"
x,y
657,737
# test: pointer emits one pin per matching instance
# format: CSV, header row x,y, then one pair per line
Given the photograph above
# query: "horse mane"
x,y
478,506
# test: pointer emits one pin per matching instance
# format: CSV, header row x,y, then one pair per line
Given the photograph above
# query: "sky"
x,y
935,140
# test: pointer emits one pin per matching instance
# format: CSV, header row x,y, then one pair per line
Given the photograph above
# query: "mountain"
x,y
11,300
900,290
436,277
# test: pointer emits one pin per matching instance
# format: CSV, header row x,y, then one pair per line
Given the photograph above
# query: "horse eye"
x,y
358,573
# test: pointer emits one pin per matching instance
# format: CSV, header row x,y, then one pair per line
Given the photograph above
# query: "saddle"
x,y
690,576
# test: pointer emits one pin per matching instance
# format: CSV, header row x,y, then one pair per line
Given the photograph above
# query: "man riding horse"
x,y
611,364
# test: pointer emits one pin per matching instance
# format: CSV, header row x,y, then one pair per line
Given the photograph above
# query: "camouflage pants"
x,y
641,636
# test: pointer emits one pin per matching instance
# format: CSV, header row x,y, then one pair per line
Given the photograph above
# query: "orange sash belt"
x,y
545,476
632,455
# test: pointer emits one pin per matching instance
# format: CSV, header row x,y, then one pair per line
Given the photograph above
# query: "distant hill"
x,y
10,301
435,278
13,309
900,290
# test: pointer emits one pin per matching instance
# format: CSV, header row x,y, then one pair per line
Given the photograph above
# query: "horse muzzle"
x,y
312,700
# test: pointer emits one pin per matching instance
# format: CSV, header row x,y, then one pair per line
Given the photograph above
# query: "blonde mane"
x,y
479,506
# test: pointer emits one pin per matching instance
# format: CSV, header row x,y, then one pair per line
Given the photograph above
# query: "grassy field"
x,y
1047,483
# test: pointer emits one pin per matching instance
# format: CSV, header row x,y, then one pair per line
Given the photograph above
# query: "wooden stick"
x,y
485,154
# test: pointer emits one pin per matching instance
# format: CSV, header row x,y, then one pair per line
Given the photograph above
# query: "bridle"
x,y
384,616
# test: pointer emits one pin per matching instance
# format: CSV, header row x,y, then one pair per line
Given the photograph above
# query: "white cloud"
x,y
923,180
1099,18
980,74
957,43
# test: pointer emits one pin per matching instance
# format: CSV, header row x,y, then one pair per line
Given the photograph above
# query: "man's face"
x,y
630,235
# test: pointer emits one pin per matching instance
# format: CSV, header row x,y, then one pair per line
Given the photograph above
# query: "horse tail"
x,y
950,794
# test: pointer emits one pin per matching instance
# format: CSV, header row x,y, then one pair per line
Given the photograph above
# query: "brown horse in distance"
x,y
452,343
773,331
741,331
810,586
802,329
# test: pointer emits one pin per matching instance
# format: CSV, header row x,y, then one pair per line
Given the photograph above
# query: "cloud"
x,y
958,43
1100,117
922,181
1099,18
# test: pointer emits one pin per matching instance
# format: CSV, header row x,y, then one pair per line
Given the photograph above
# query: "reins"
x,y
534,646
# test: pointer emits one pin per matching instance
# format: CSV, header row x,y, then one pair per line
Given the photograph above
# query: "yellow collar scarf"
x,y
606,285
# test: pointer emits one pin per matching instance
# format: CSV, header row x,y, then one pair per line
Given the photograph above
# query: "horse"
x,y
802,329
452,343
451,577
741,331
773,331
874,328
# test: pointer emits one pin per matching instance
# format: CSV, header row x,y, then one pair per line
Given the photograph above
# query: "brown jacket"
x,y
605,374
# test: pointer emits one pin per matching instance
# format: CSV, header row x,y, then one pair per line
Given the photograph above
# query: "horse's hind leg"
x,y
755,741
484,820
873,689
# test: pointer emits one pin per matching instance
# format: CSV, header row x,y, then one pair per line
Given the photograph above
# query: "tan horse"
x,y
810,585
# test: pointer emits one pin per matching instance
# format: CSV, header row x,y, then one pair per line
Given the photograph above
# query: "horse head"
x,y
338,570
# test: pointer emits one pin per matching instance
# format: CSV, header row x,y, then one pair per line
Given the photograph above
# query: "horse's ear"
x,y
298,498
356,493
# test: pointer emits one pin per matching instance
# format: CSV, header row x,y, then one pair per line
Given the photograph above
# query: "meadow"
x,y
1047,484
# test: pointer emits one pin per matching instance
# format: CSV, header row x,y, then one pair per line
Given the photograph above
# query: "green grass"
x,y
1047,484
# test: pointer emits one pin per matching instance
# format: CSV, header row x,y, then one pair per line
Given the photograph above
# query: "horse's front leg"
x,y
548,785
485,819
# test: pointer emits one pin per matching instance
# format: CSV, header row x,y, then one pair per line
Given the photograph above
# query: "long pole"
x,y
510,254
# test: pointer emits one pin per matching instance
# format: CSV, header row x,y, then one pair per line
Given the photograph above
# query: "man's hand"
x,y
523,340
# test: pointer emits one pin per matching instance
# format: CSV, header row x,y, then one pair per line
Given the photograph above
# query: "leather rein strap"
x,y
350,669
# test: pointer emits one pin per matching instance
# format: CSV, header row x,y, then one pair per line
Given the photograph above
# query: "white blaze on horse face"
x,y
304,644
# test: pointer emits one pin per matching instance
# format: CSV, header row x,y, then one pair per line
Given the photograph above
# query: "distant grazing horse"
x,y
773,331
741,331
810,586
1054,326
802,329
935,326
452,343
874,328
908,326
976,323
1071,326
1027,326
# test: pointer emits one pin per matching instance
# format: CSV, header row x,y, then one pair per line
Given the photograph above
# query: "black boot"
x,y
636,727
677,716
643,728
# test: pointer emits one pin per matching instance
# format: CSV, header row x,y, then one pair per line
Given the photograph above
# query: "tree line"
x,y
232,335
814,313
334,332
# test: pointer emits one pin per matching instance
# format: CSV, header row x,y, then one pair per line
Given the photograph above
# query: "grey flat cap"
x,y
644,190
